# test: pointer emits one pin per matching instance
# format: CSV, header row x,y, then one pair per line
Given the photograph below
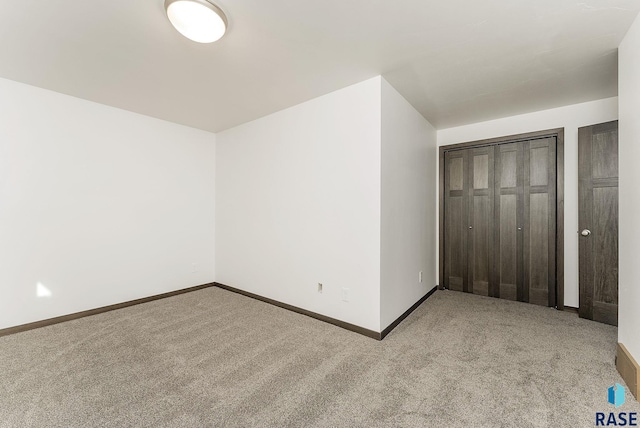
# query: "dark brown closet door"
x,y
508,208
456,224
500,221
481,221
598,219
539,222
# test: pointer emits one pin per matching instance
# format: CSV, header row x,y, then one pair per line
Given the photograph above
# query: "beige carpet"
x,y
215,358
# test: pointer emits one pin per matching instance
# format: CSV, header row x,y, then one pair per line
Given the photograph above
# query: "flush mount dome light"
x,y
198,20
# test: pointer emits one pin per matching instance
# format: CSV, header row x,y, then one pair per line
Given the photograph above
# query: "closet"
x,y
498,223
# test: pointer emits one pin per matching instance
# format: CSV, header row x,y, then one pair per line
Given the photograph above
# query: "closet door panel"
x,y
481,173
456,167
507,238
539,221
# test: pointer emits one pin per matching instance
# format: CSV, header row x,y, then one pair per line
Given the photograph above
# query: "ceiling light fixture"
x,y
198,20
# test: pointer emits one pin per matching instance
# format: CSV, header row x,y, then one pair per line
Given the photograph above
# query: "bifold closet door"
x,y
500,221
469,188
525,207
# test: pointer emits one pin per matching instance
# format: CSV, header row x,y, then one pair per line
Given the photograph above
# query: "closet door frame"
x,y
558,133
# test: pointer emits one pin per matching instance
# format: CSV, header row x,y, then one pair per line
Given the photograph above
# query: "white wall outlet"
x,y
345,294
194,267
320,287
420,277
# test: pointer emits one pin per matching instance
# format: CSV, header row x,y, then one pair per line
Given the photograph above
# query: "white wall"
x,y
570,118
98,205
298,203
629,154
408,211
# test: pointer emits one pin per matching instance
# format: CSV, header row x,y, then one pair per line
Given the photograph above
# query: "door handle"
x,y
585,233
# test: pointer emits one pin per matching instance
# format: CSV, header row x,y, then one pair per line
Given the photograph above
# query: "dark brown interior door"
x,y
598,220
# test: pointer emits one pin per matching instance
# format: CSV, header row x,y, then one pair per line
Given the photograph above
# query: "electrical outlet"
x,y
420,277
320,287
345,294
194,267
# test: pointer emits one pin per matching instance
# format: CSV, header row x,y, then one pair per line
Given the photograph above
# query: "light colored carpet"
x,y
215,358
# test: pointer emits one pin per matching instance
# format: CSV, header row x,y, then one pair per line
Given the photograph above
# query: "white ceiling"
x,y
456,61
